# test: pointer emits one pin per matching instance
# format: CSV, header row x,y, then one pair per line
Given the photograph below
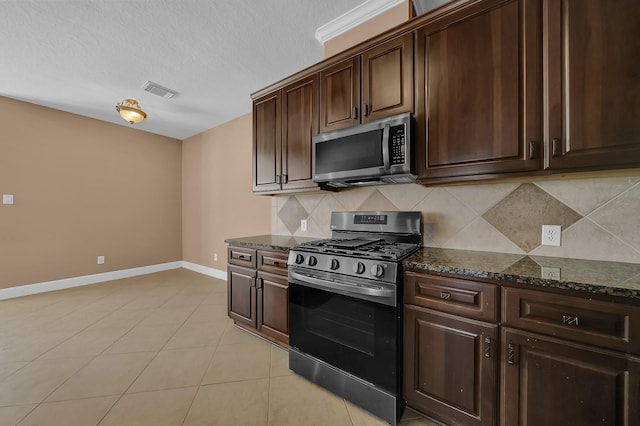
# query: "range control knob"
x,y
377,270
358,268
312,261
299,259
334,264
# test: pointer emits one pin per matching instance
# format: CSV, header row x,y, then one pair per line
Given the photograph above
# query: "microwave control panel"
x,y
397,145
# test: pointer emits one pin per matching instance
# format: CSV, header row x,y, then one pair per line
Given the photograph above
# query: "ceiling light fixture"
x,y
131,111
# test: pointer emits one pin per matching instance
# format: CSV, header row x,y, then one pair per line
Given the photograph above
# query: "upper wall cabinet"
x,y
376,84
283,123
592,100
478,84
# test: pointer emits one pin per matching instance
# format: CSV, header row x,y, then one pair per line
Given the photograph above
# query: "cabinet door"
x,y
340,95
267,143
241,293
387,79
299,124
551,382
450,366
593,91
481,78
273,297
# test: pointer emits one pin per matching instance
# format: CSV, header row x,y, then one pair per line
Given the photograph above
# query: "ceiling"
x,y
85,56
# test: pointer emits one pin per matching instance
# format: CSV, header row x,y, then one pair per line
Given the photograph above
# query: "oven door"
x,y
350,332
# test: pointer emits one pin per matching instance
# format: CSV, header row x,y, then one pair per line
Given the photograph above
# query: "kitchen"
x,y
598,210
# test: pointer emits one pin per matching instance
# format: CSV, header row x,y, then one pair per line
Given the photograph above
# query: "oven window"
x,y
354,335
360,151
344,321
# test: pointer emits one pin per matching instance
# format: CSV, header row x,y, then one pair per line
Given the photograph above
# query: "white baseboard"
x,y
212,272
25,290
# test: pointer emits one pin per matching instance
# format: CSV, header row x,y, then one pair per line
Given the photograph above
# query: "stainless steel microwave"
x,y
373,153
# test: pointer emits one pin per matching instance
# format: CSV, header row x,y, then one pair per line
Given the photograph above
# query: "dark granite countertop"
x,y
591,276
268,242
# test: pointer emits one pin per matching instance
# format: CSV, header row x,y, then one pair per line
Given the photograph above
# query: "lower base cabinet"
x,y
241,293
450,366
549,359
273,315
553,382
258,292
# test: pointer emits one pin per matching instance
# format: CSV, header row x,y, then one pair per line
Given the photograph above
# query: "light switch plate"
x,y
7,198
303,225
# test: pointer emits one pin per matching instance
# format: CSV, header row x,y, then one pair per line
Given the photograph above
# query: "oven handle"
x,y
370,290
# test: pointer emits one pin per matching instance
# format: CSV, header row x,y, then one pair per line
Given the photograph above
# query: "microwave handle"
x,y
385,147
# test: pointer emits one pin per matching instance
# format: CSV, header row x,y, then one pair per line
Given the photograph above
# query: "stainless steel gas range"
x,y
345,308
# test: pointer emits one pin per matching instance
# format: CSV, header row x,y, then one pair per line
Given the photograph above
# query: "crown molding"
x,y
353,18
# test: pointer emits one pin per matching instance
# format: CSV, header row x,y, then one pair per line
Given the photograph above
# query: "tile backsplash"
x,y
600,217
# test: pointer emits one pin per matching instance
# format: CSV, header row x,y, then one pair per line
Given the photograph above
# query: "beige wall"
x,y
83,188
376,25
216,189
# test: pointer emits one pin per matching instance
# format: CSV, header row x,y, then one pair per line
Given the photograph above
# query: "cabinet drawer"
x,y
470,299
605,324
273,261
242,256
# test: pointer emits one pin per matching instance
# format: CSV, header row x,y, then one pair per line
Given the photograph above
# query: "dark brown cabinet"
x,y
273,317
241,293
258,291
284,122
570,362
479,80
450,362
551,382
376,84
593,84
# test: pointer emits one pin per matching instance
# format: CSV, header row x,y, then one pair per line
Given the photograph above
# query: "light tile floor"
x,y
151,350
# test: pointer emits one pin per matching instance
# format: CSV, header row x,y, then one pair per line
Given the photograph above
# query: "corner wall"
x,y
217,199
83,188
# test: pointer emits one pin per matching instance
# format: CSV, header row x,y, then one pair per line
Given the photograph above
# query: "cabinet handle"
x,y
285,179
533,150
271,262
366,110
487,347
278,179
354,114
241,257
511,354
556,148
570,320
444,295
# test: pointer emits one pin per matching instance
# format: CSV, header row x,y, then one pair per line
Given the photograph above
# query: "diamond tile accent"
x,y
521,214
377,202
291,213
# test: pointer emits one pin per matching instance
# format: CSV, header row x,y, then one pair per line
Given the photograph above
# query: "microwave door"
x,y
385,148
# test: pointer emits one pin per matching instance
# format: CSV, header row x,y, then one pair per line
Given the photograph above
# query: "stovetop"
x,y
365,248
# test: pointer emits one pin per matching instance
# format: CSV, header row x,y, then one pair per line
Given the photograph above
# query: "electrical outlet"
x,y
215,257
7,198
551,235
303,225
550,273
100,260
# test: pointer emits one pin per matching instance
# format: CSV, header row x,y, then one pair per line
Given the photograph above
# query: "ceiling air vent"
x,y
158,90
